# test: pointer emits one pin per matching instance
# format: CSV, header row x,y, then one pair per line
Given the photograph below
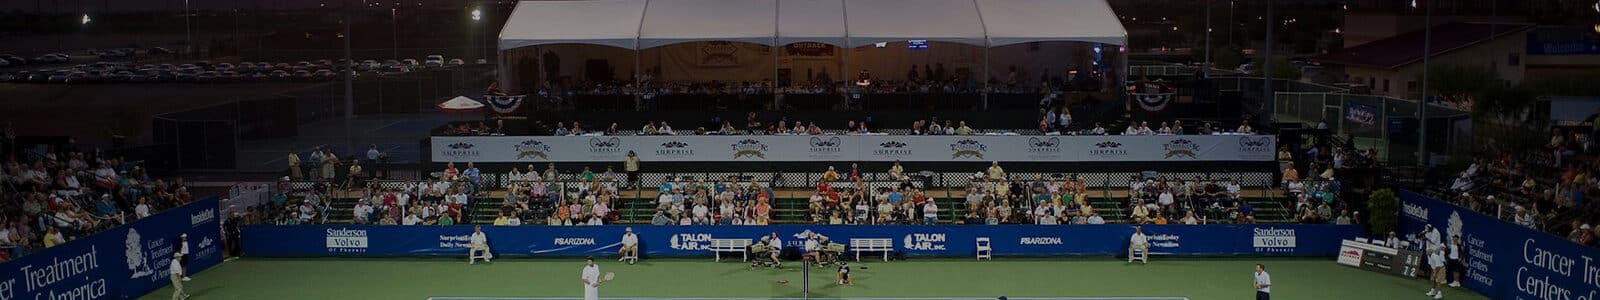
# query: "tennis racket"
x,y
610,276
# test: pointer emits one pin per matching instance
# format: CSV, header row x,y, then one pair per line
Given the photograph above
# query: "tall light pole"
x,y
349,82
1422,104
188,36
394,32
477,14
1266,61
1208,38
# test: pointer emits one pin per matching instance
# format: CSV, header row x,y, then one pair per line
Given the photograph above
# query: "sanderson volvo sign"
x,y
807,148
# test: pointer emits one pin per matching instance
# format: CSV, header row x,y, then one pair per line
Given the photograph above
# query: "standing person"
x,y
591,280
316,163
480,243
1454,264
183,254
178,277
329,163
631,165
1263,283
1436,263
294,165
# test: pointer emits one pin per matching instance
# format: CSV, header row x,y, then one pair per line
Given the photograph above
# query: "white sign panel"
x,y
853,148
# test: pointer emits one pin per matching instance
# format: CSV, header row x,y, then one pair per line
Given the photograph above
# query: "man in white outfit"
x,y
480,244
591,280
1139,244
1436,263
630,247
178,277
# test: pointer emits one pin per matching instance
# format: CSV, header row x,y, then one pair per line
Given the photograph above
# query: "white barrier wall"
x,y
854,148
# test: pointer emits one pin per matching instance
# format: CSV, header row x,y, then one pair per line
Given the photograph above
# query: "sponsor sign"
x,y
1506,261
308,240
855,148
125,262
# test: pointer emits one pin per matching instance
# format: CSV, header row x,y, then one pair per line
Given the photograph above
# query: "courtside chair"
x,y
984,249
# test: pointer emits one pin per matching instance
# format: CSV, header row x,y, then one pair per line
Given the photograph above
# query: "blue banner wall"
x,y
122,263
1506,261
332,240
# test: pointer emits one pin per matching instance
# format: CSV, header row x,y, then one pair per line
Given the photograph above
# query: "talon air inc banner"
x,y
854,148
1506,261
359,240
122,263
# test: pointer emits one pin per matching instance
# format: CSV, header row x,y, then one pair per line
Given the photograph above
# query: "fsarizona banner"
x,y
983,148
122,263
1254,240
1506,261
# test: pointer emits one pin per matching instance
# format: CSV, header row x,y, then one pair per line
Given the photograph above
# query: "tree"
x,y
1384,211
1281,68
1226,58
1461,83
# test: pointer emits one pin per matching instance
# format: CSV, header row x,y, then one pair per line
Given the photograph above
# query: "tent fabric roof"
x,y
598,22
638,24
677,21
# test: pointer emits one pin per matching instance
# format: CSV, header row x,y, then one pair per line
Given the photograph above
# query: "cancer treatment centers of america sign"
x,y
1506,261
121,263
1011,148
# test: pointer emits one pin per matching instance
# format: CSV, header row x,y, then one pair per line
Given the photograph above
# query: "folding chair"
x,y
985,250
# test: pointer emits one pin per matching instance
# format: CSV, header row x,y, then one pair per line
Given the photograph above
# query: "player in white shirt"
x,y
591,280
1263,283
1436,263
1138,242
178,277
630,247
480,243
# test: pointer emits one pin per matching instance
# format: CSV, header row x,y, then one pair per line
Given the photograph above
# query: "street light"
x,y
477,14
85,20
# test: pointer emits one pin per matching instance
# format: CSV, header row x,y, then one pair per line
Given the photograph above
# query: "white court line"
x,y
861,298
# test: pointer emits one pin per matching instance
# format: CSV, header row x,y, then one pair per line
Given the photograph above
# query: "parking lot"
x,y
120,66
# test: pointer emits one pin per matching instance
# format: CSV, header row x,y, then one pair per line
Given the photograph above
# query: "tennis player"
x,y
591,280
480,243
1263,283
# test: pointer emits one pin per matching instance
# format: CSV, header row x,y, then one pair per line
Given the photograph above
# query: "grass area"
x,y
412,278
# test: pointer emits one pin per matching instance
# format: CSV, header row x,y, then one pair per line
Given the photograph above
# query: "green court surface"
x,y
545,278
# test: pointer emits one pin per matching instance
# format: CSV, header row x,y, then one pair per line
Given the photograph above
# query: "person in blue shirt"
x,y
895,197
473,176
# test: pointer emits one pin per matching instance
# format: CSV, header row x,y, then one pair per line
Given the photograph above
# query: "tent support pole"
x,y
638,79
984,105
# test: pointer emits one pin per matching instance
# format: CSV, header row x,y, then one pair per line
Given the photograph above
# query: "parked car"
x,y
409,62
369,65
50,59
279,75
13,59
4,63
434,61
58,77
257,76
456,62
395,70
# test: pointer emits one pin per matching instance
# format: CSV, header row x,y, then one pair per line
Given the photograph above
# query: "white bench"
x,y
718,246
872,245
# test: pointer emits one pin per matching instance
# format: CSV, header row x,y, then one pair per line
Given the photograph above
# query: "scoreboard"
x,y
1380,259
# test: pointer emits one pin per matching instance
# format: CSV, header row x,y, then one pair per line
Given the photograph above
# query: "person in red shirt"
x,y
450,171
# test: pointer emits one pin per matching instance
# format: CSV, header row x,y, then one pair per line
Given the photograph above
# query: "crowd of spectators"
x,y
54,194
755,126
728,201
1543,190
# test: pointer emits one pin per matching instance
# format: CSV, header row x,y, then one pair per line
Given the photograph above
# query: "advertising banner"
x,y
122,263
1254,240
853,148
1506,261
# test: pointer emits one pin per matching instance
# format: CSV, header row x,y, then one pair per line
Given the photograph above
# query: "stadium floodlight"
x,y
85,20
477,14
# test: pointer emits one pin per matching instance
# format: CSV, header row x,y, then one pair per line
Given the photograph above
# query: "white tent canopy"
x,y
638,24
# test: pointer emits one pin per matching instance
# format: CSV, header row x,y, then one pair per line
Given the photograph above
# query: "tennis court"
x,y
699,278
